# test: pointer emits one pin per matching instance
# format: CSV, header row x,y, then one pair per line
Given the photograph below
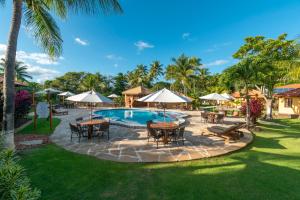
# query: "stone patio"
x,y
131,145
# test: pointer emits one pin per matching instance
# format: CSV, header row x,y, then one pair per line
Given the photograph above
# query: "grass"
x,y
267,169
43,127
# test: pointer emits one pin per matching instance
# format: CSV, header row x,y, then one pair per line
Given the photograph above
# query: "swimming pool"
x,y
137,117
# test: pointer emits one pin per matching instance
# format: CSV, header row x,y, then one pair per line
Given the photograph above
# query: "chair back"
x,y
104,126
220,116
74,128
181,131
79,119
204,115
149,123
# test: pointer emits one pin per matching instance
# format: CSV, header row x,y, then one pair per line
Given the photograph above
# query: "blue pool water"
x,y
136,116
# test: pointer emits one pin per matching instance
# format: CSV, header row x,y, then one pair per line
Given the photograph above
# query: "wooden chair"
x,y
204,117
75,130
220,118
180,134
155,134
103,128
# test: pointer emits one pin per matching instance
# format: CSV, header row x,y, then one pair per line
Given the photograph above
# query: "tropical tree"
x,y
156,70
274,60
21,73
243,74
182,69
38,19
120,83
139,76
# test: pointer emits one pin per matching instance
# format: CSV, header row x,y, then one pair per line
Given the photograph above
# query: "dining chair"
x,y
220,118
75,130
180,134
103,128
204,117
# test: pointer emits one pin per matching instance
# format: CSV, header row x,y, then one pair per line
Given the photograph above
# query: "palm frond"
x,y
43,27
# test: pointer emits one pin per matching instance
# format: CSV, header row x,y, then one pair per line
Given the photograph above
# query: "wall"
x,y
295,109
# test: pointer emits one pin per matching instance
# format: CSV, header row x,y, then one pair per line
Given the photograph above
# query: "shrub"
x,y
13,182
256,108
23,101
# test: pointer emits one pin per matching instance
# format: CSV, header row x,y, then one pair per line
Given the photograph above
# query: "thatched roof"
x,y
140,90
252,93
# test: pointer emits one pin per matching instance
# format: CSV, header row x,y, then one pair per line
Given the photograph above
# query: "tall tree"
x,y
274,59
156,70
182,69
38,19
120,83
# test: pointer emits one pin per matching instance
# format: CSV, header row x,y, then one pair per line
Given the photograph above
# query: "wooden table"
x,y
90,124
165,127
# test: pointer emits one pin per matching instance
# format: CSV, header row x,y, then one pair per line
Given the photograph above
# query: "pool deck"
x,y
131,145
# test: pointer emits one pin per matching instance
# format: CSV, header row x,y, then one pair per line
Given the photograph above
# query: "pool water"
x,y
136,116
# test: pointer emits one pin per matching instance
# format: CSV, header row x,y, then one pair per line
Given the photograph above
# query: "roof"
x,y
290,86
290,93
140,90
252,93
17,83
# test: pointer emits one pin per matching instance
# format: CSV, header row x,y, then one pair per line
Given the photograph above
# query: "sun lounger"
x,y
230,133
59,112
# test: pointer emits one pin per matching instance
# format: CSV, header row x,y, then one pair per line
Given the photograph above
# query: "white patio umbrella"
x,y
66,94
227,96
48,91
214,97
90,97
113,96
164,96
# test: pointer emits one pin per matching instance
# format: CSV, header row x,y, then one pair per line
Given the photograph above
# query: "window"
x,y
288,102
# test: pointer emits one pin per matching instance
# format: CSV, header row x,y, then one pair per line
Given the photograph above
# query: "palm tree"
x,y
156,70
182,70
21,73
139,76
38,19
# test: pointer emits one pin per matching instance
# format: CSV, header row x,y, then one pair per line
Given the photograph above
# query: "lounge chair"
x,y
59,112
232,132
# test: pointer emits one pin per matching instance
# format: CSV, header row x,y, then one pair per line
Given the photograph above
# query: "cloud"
x,y
41,73
217,63
113,57
37,58
141,45
116,65
186,35
81,42
32,61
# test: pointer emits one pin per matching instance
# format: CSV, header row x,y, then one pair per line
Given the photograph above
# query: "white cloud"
x,y
116,65
186,35
81,41
113,57
37,58
217,63
141,45
217,47
41,73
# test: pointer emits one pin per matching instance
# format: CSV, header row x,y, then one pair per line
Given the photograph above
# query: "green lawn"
x,y
43,127
268,169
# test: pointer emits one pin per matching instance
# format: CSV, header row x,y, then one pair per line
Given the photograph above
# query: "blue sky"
x,y
156,30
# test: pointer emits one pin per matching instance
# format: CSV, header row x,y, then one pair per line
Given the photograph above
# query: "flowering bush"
x,y
256,108
22,103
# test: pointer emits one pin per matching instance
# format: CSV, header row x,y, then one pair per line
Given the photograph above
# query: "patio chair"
x,y
204,117
220,118
180,134
75,130
59,112
100,130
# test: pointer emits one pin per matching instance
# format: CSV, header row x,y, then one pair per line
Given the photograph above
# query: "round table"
x,y
165,127
90,124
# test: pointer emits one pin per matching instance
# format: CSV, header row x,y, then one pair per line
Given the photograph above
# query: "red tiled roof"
x,y
290,93
252,93
290,86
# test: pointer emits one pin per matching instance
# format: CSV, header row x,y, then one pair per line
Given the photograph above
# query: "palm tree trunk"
x,y
9,77
248,120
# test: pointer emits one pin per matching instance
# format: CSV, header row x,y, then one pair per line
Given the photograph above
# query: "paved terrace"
x,y
131,145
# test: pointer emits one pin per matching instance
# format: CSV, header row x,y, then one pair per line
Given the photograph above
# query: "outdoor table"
x,y
165,127
212,116
91,124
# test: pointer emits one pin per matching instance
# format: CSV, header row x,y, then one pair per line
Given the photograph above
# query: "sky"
x,y
151,30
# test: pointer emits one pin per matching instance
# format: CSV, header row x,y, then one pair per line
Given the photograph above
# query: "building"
x,y
289,103
131,96
254,94
17,83
285,88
